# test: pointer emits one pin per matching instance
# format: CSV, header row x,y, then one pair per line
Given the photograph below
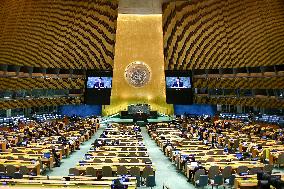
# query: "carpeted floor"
x,y
166,173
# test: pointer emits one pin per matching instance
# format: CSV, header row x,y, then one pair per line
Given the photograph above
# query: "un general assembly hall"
x,y
142,94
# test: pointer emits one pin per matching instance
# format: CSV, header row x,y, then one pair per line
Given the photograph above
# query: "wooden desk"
x,y
222,165
114,158
38,150
126,157
118,153
118,148
23,183
247,185
80,178
98,167
112,164
47,161
34,167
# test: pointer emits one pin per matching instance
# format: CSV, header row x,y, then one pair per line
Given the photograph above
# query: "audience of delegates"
x,y
41,145
196,145
119,150
44,142
200,143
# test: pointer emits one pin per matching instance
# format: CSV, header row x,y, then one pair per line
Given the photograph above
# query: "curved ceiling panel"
x,y
58,34
223,33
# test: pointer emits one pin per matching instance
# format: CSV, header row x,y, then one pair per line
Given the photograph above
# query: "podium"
x,y
139,112
140,117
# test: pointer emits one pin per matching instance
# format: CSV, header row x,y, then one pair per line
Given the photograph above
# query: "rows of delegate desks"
x,y
64,182
181,139
118,146
32,154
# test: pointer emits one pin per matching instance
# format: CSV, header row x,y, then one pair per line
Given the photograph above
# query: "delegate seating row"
x,y
219,150
36,147
64,182
119,151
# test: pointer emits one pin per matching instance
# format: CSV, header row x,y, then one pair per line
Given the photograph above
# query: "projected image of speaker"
x,y
179,87
178,82
98,86
99,83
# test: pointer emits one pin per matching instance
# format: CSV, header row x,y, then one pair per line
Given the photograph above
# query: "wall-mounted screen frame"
x,y
98,86
179,87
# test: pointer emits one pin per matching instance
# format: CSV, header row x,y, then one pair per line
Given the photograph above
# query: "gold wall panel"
x,y
139,38
239,83
41,83
201,34
58,33
264,102
37,102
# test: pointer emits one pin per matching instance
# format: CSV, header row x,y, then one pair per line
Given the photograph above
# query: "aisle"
x,y
76,156
166,173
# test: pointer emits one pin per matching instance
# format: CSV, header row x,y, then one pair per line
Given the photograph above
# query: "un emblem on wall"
x,y
137,74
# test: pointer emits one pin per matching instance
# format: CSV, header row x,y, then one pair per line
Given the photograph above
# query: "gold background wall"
x,y
139,38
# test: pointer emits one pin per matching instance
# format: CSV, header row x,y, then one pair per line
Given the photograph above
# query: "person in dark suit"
x,y
56,157
178,83
99,84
